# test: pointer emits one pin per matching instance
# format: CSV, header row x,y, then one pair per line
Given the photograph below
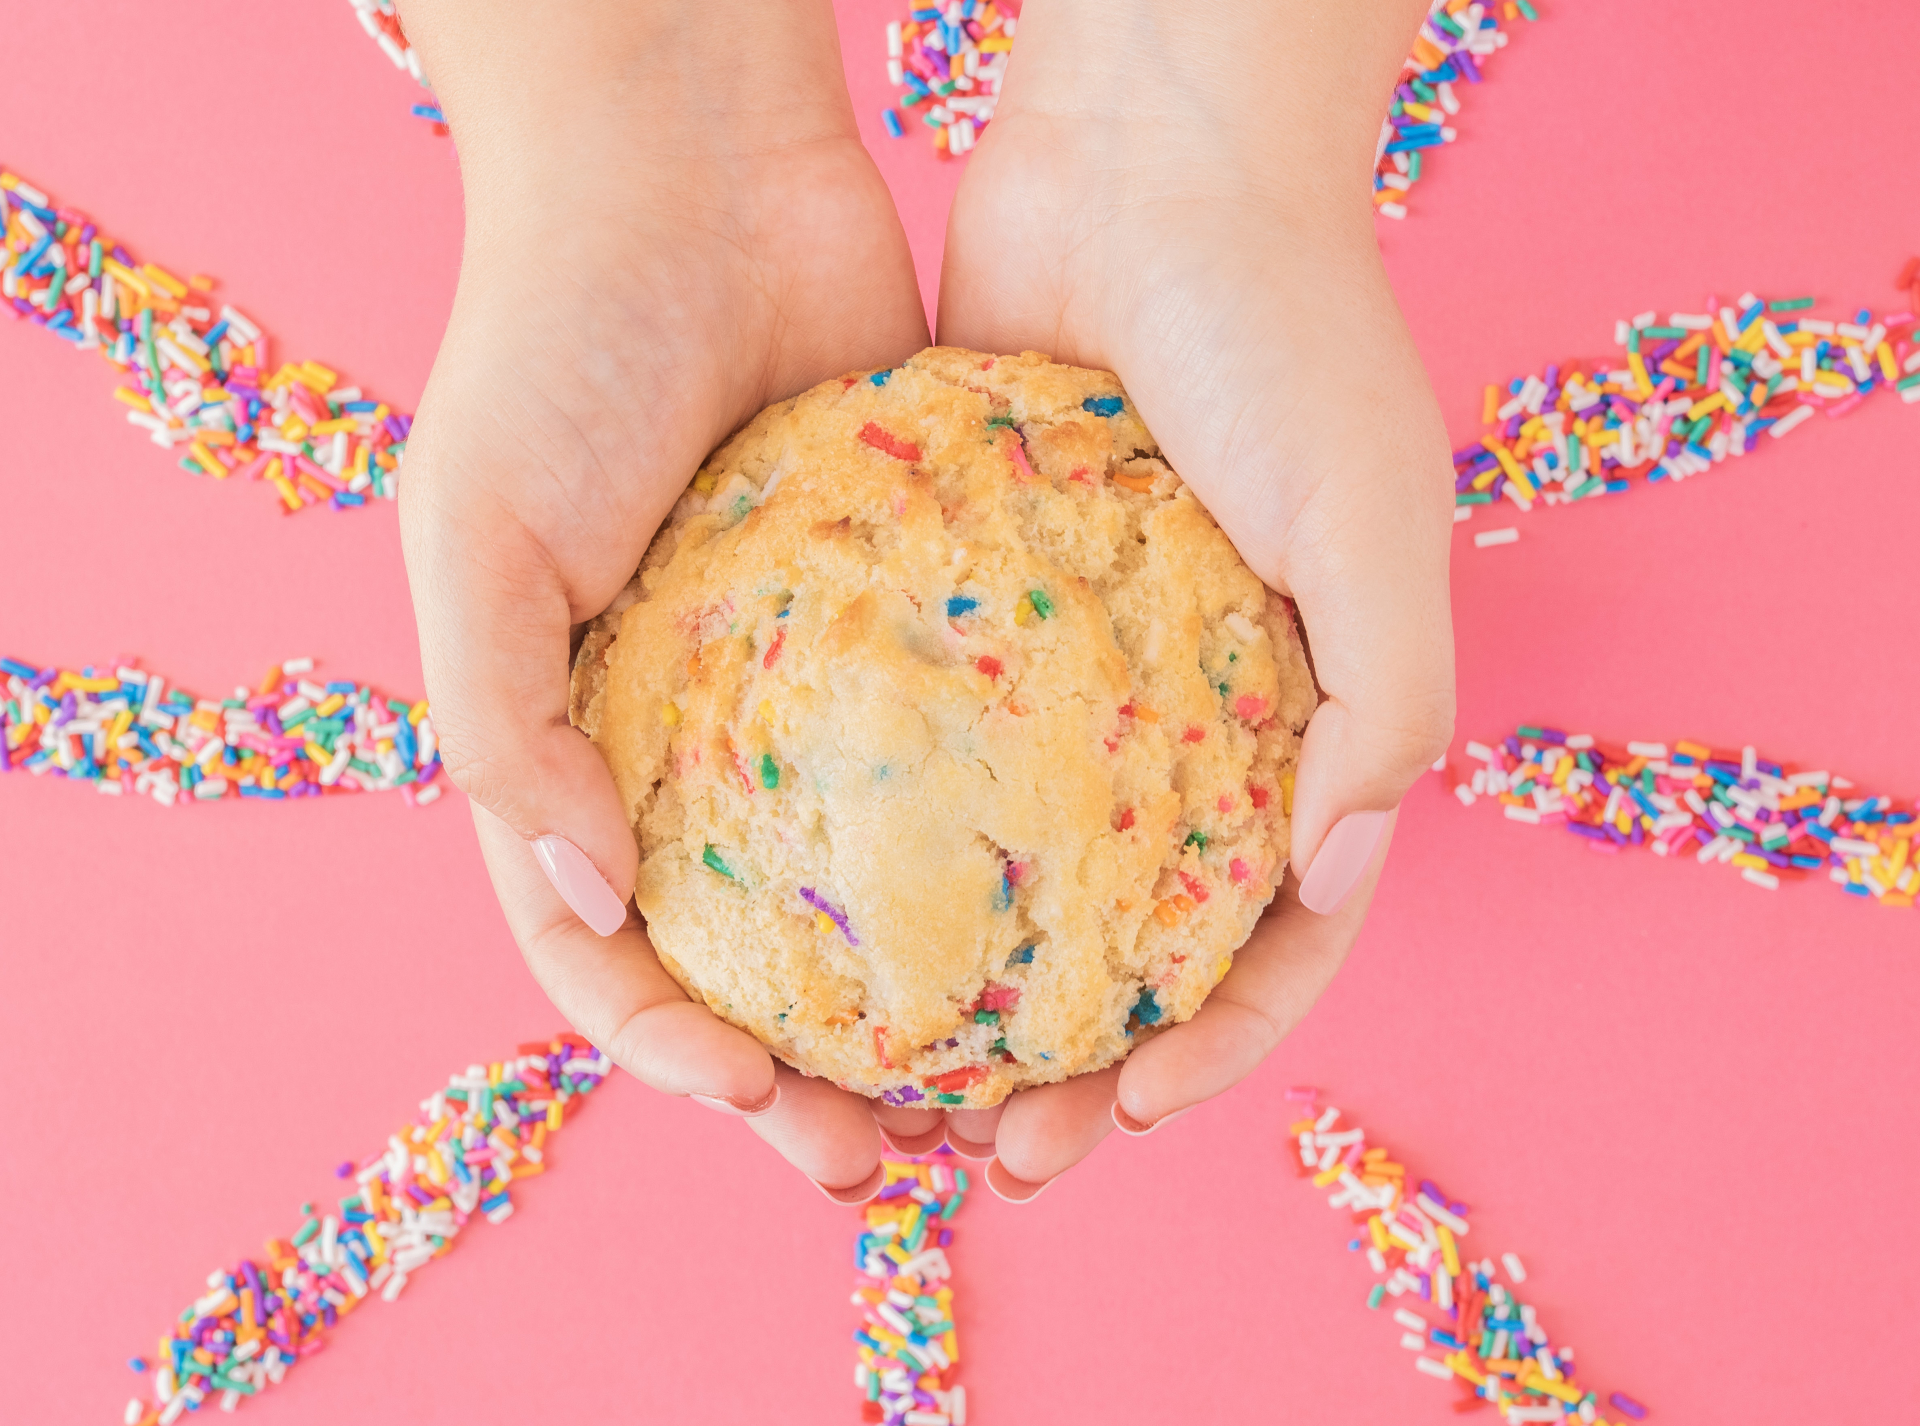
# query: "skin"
x,y
665,207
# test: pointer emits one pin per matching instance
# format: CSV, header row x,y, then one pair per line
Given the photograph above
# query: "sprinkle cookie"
x,y
957,739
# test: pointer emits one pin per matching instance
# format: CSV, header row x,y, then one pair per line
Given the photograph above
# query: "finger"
x,y
970,1132
909,1131
1048,1129
826,1133
614,990
1275,979
494,617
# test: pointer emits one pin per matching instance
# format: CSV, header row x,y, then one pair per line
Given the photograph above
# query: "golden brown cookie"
x,y
957,739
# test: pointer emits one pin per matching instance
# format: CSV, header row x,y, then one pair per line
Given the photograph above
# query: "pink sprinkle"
x,y
1237,871
1225,804
1023,472
1196,888
1017,872
1193,735
1249,706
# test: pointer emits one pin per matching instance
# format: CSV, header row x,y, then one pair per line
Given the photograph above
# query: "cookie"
x,y
957,739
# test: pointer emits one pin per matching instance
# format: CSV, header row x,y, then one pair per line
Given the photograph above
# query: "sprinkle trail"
x,y
1771,823
951,59
909,1348
123,730
1455,39
200,381
1463,1323
470,1144
381,20
1689,393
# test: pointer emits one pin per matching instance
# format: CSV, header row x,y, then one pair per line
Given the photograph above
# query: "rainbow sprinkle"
x,y
1691,392
124,731
472,1141
1463,1324
1743,811
199,377
381,20
1454,40
908,1345
956,57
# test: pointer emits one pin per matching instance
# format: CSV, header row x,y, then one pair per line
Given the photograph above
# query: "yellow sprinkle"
x,y
1888,367
1286,793
295,429
165,279
1322,1179
317,376
330,705
824,922
1220,970
766,712
1448,1249
703,483
133,399
417,712
1704,405
327,428
669,715
1023,611
952,1344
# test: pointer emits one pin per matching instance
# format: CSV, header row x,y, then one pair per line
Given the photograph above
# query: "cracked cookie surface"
x,y
957,739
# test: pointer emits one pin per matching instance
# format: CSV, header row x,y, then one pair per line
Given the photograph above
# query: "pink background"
x,y
1678,1097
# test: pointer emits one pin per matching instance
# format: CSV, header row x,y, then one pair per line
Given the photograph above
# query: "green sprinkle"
x,y
1791,304
986,1017
993,421
953,1204
950,1098
1529,732
769,771
998,1047
1473,497
1224,690
1526,8
712,859
307,1230
1661,334
1042,605
1379,1291
960,1177
1196,839
1233,657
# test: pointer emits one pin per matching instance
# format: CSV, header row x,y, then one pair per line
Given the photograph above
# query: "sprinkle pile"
x,y
125,731
1464,1324
1742,811
908,1345
472,1141
200,378
1454,40
1690,392
381,20
952,59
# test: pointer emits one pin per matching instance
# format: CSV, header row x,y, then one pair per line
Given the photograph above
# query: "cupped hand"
x,y
1187,204
670,224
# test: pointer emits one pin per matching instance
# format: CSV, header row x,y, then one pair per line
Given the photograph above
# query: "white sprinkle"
x,y
1647,750
1433,1368
1795,417
1515,1268
1413,1341
1412,1321
1460,512
1488,538
1465,794
1523,814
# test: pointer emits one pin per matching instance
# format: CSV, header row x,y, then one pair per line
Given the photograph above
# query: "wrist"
x,y
605,102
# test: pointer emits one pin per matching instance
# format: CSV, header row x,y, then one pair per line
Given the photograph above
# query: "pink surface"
x,y
1676,1096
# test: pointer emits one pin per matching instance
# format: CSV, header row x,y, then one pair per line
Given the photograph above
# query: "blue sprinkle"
x,y
429,111
138,1364
1147,1009
892,121
1103,405
879,378
1021,957
961,604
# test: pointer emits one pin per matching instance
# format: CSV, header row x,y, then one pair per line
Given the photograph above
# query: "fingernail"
x,y
740,1108
1010,1189
912,1146
580,884
864,1191
1341,858
968,1148
1133,1128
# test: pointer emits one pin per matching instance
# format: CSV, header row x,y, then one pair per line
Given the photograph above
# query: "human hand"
x,y
670,224
1187,203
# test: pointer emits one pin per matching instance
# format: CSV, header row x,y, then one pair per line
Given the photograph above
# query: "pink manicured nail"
x,y
580,884
863,1192
1341,858
1009,1189
1134,1129
738,1108
913,1145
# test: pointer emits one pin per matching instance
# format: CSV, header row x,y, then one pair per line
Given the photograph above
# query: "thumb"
x,y
494,615
1370,583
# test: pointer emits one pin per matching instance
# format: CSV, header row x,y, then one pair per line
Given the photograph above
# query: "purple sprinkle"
x,y
824,907
345,1170
903,1094
1622,1402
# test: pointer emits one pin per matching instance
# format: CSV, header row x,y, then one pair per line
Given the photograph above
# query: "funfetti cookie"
x,y
957,739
